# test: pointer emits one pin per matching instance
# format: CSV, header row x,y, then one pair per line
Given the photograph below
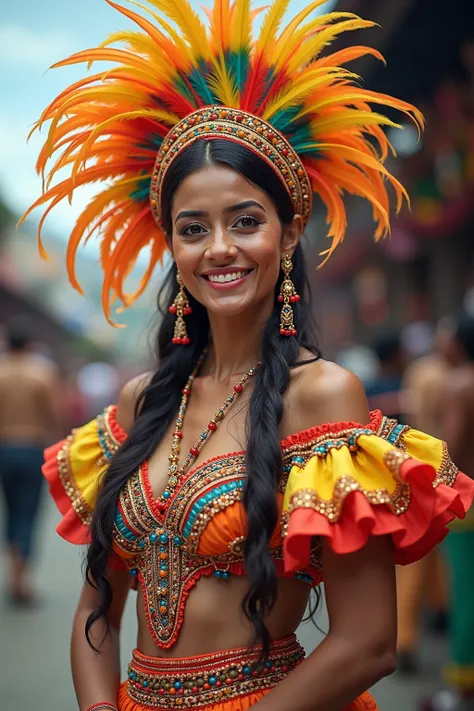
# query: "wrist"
x,y
103,706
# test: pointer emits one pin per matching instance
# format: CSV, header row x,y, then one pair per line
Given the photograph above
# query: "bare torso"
x,y
27,392
213,617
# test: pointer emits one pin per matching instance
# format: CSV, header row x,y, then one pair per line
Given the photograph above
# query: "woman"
x,y
214,146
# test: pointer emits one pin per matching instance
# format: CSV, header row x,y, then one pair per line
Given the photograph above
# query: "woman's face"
x,y
227,240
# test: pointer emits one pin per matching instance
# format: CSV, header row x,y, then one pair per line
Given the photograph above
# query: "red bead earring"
x,y
181,308
287,297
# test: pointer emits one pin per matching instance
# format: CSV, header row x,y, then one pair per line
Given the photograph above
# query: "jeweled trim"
x,y
206,680
391,430
447,471
398,501
242,127
78,503
299,454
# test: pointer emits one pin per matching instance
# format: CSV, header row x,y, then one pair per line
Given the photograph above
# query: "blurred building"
x,y
426,268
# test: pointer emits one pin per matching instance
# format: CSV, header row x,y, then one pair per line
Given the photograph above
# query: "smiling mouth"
x,y
227,278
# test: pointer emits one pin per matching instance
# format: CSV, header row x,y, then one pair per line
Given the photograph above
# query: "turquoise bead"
x,y
134,571
166,494
177,685
153,537
246,670
164,538
177,541
145,684
212,680
141,544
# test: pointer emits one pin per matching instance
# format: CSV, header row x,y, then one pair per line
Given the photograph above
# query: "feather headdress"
x,y
110,126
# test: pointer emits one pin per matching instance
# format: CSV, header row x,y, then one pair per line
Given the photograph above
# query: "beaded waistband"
x,y
196,682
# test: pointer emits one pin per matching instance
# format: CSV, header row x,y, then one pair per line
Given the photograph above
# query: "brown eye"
x,y
192,230
246,222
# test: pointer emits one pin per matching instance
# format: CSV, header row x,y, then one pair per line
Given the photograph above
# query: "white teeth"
x,y
223,278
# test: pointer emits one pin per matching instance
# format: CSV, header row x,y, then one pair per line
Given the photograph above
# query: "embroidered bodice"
x,y
344,481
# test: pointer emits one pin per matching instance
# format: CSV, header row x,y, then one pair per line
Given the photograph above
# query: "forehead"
x,y
216,186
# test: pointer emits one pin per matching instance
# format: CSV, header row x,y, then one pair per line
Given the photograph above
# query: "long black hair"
x,y
158,404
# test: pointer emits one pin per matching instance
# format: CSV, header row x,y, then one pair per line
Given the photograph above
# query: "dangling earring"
x,y
181,308
287,296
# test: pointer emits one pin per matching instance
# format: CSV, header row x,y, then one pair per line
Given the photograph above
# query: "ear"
x,y
292,234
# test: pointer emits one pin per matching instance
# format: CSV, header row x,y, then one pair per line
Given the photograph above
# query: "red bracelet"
x,y
103,706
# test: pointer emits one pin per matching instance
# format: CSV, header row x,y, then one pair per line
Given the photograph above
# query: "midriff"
x,y
213,618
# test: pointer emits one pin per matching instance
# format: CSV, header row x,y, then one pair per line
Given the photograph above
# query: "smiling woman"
x,y
214,147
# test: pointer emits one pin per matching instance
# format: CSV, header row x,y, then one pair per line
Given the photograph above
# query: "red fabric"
x,y
414,533
331,428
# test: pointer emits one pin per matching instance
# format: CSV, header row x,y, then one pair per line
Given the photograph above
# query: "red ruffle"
x,y
331,428
70,527
414,533
117,430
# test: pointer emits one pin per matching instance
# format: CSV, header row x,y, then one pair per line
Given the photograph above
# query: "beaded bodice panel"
x,y
199,531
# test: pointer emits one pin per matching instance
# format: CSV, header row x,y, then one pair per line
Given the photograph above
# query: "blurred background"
x,y
379,308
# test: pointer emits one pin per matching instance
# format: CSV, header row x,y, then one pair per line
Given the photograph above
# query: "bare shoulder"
x,y
324,392
128,398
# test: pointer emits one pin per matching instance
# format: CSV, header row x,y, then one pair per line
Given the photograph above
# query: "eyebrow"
x,y
232,208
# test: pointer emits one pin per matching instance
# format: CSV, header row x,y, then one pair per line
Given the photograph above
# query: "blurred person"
x,y
28,421
423,584
457,418
224,547
384,391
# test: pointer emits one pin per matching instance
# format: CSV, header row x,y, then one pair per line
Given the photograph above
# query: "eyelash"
x,y
183,231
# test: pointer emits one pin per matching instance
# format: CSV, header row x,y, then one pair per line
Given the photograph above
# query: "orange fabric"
x,y
365,702
228,525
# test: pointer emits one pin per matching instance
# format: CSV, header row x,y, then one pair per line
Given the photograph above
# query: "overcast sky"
x,y
33,35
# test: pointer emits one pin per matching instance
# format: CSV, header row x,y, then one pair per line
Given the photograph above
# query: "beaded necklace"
x,y
175,472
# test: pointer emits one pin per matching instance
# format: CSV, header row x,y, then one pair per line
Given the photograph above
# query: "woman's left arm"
x,y
360,646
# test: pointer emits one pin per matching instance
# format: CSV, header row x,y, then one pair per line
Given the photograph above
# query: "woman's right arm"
x,y
96,675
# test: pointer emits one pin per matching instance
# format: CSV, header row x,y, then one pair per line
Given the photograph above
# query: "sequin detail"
x,y
194,683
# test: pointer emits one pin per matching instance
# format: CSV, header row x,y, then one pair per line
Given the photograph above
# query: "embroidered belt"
x,y
196,682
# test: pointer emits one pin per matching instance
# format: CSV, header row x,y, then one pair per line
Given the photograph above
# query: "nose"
x,y
221,248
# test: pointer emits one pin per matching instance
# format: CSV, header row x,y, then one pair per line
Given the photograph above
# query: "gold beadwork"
x,y
448,471
254,133
180,308
287,297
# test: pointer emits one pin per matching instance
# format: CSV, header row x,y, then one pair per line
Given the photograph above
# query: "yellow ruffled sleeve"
x,y
347,482
74,467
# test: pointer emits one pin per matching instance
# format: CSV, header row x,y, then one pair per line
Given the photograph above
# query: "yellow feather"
x,y
348,118
221,25
173,34
222,83
143,45
313,45
241,30
296,90
291,37
271,23
181,12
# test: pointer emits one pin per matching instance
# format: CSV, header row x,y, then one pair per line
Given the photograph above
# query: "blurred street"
x,y
34,653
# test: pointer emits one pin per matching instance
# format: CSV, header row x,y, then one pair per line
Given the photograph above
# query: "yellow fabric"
x,y
87,462
366,466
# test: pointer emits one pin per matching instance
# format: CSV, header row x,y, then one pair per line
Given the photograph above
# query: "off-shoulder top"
x,y
342,481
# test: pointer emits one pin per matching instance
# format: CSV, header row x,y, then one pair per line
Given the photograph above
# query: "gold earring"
x,y
287,296
181,308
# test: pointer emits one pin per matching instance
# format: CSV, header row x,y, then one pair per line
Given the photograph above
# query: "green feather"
x,y
238,63
283,120
143,191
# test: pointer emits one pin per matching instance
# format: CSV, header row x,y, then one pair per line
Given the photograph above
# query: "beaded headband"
x,y
244,128
278,91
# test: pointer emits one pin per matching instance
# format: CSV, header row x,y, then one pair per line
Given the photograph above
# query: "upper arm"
x,y
361,594
129,395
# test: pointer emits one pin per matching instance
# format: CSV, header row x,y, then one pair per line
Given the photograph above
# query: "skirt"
x,y
222,681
